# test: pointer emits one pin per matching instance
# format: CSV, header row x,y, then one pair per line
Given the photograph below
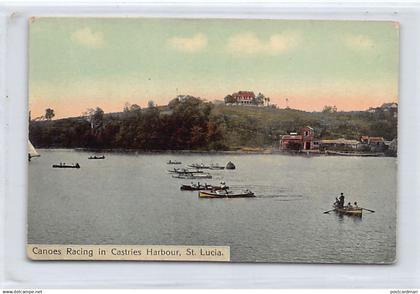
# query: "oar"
x,y
329,210
367,209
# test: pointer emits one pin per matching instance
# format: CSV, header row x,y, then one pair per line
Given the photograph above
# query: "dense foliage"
x,y
189,123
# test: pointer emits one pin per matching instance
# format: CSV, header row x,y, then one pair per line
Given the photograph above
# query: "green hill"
x,y
188,123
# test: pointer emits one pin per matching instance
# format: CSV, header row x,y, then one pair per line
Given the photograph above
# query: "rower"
x,y
341,201
355,204
349,205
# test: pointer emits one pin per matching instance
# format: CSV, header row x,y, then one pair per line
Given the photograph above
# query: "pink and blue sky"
x,y
81,63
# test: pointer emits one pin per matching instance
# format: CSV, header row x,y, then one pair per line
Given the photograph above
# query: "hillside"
x,y
188,123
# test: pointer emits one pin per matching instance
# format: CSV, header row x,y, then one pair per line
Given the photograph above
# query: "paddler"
x,y
341,199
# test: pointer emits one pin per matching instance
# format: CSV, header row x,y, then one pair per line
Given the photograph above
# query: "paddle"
x,y
329,210
367,209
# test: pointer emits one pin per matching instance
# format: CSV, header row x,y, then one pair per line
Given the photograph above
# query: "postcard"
x,y
222,140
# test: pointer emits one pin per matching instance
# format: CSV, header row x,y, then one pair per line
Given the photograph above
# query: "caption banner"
x,y
128,252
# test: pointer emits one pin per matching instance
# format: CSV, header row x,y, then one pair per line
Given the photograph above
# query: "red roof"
x,y
244,95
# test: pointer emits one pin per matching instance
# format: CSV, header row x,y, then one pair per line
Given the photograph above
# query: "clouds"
x,y
88,38
190,45
358,42
249,43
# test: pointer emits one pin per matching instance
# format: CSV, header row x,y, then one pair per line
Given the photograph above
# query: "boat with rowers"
x,y
173,162
353,211
205,187
64,165
191,176
226,194
216,167
185,171
199,166
96,157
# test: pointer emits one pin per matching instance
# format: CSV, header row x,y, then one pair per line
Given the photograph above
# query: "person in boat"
x,y
223,186
349,206
355,205
77,165
337,202
341,201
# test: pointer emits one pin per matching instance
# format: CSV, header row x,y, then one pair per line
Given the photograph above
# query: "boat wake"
x,y
269,192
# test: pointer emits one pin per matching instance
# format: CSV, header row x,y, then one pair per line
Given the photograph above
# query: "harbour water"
x,y
132,199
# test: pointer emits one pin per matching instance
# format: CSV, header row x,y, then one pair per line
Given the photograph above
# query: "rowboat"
x,y
205,187
96,157
191,176
354,211
201,165
225,194
216,167
61,165
185,171
174,162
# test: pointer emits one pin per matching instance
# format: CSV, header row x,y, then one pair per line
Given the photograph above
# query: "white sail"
x,y
31,150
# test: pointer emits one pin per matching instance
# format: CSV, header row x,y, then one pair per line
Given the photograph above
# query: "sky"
x,y
81,63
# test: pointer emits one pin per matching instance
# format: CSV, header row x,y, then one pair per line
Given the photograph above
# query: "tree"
x,y
131,107
329,109
94,116
151,104
259,100
49,113
229,99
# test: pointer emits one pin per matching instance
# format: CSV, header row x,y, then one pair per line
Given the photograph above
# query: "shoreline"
x,y
307,153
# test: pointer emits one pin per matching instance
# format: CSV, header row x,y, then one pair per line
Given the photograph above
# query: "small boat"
x,y
174,162
185,171
63,165
199,166
352,153
216,167
205,187
192,176
31,151
354,211
96,157
225,194
230,165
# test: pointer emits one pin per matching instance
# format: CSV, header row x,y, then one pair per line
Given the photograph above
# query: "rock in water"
x,y
230,165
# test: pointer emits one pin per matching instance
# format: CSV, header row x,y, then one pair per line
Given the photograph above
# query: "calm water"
x,y
131,199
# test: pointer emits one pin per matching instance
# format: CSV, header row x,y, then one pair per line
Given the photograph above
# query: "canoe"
x,y
216,167
202,166
96,157
190,176
202,188
349,211
65,166
225,194
185,171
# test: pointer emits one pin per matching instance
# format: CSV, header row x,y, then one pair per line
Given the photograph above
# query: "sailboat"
x,y
31,151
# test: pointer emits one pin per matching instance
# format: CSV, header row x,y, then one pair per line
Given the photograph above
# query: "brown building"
x,y
302,141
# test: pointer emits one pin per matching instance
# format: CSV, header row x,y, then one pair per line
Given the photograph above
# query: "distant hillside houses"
x,y
247,98
386,108
306,140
